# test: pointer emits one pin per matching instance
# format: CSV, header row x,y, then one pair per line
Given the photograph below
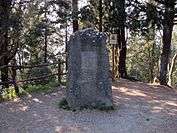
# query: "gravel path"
x,y
140,108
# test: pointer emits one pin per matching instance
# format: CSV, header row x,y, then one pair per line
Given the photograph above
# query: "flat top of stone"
x,y
90,34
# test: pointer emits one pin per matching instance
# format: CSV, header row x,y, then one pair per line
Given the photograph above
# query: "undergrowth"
x,y
10,94
40,87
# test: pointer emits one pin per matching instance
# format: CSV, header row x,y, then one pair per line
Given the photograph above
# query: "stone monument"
x,y
89,81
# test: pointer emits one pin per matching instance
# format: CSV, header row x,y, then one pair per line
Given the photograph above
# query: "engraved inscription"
x,y
88,73
88,65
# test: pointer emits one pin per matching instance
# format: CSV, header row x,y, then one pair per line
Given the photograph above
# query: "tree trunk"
x,y
122,43
100,15
4,74
151,15
45,45
167,36
122,54
4,27
66,44
4,60
152,62
14,76
172,69
75,15
45,34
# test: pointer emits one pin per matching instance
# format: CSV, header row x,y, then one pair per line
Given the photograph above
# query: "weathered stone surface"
x,y
89,83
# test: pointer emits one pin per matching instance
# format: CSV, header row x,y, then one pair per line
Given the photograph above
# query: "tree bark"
x,y
45,36
4,61
66,44
151,21
167,36
122,43
14,76
75,15
122,54
100,15
4,27
4,74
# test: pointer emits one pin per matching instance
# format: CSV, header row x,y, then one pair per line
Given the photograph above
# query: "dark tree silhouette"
x,y
167,36
75,15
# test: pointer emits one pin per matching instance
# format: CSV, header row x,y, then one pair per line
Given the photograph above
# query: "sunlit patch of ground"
x,y
140,108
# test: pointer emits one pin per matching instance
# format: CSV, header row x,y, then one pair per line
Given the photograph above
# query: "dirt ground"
x,y
140,108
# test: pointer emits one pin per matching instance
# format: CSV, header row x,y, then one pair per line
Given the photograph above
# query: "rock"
x,y
89,82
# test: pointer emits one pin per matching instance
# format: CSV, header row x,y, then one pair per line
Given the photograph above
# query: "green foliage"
x,y
142,57
41,87
40,29
88,17
8,94
113,14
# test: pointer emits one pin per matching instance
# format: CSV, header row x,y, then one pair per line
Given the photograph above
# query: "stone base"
x,y
101,104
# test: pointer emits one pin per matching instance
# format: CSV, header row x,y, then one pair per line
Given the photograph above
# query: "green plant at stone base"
x,y
103,107
63,104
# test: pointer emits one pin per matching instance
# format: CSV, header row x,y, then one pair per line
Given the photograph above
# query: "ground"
x,y
140,108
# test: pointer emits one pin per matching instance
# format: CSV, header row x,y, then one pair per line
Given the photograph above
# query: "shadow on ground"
x,y
140,108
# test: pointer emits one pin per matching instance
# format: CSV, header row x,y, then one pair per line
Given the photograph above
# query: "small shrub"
x,y
8,94
53,84
103,107
147,119
64,104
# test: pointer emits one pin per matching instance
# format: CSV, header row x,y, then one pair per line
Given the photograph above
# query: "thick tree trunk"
x,y
75,15
122,54
14,76
151,20
4,74
165,56
4,27
122,43
167,36
4,61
